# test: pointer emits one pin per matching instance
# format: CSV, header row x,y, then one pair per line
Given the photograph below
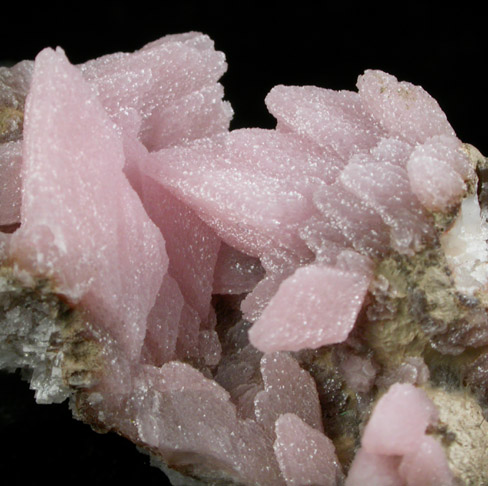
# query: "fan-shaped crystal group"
x,y
130,195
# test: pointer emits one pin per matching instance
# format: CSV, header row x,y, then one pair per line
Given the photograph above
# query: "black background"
x,y
442,48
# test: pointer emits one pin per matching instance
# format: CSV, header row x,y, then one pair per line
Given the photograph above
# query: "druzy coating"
x,y
251,306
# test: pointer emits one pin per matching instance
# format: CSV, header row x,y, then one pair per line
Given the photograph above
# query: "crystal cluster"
x,y
296,306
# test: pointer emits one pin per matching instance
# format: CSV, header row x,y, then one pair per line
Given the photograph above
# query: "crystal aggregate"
x,y
224,298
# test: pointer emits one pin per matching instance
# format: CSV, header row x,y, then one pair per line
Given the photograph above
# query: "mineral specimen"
x,y
299,306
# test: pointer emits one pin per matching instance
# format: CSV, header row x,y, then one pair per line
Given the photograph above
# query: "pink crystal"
x,y
384,187
427,465
403,109
231,282
235,272
271,200
374,469
334,120
305,455
317,305
399,421
82,223
162,324
183,401
287,389
176,74
439,153
359,373
398,429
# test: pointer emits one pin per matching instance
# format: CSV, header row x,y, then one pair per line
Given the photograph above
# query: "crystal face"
x,y
298,306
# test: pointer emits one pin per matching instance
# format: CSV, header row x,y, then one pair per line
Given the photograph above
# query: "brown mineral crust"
x,y
480,163
413,313
417,309
71,346
463,430
14,86
344,410
11,124
82,355
475,378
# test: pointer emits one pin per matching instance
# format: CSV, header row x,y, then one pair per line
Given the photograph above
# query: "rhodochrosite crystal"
x,y
299,306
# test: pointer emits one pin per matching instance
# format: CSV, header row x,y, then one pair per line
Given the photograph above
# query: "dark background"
x,y
444,49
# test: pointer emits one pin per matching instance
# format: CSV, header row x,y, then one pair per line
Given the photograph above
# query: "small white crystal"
x,y
466,249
